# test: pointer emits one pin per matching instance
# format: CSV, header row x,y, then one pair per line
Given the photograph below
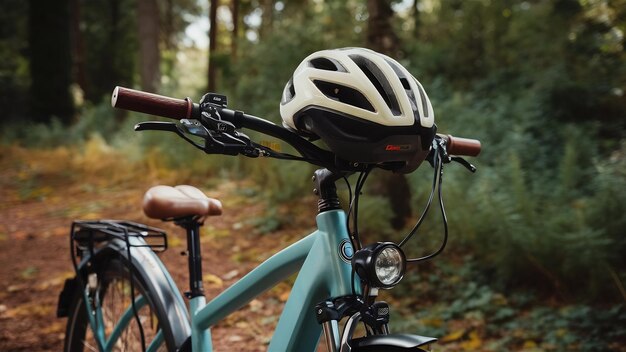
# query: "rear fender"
x,y
152,269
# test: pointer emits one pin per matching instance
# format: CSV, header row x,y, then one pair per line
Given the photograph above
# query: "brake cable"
x,y
268,152
444,219
354,208
354,236
436,164
439,153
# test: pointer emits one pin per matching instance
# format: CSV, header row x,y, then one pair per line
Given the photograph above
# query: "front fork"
x,y
375,316
330,312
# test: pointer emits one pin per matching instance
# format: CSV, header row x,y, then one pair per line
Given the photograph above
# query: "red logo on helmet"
x,y
397,148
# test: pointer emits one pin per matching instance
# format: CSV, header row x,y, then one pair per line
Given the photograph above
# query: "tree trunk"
x,y
169,39
267,18
235,35
380,34
212,86
149,55
416,19
169,25
50,60
78,47
381,38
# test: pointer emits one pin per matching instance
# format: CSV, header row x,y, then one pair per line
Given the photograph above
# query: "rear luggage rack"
x,y
90,233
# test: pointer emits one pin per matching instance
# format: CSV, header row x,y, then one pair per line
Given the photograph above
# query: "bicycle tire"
x,y
112,270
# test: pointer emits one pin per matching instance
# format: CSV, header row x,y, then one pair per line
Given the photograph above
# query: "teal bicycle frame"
x,y
323,274
322,259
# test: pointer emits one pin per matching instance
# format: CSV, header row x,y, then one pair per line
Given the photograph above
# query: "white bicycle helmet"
x,y
364,105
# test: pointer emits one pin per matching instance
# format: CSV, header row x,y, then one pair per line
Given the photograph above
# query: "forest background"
x,y
536,259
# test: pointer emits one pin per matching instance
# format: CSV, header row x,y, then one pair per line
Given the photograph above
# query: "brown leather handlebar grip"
x,y
153,104
462,146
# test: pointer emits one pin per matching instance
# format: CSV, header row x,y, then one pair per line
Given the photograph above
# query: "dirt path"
x,y
34,256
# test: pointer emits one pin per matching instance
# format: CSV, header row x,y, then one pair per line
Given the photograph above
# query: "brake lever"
x,y
169,127
464,162
222,141
157,126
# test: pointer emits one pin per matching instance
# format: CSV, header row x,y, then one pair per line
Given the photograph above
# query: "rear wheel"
x,y
109,283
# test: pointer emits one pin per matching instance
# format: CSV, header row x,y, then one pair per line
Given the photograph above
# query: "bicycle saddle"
x,y
166,202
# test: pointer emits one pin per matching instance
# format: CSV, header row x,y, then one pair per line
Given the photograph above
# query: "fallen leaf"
x,y
499,299
55,327
54,282
242,325
29,272
60,231
213,280
20,235
173,241
29,309
434,322
473,343
255,305
91,216
529,344
282,291
284,296
230,275
235,338
15,288
453,336
269,320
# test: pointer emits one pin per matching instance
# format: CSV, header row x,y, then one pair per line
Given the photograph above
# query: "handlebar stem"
x,y
326,190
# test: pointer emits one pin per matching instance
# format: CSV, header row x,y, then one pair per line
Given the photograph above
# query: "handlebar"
x,y
461,146
154,104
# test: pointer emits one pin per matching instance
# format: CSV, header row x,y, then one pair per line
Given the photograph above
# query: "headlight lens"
x,y
389,266
380,264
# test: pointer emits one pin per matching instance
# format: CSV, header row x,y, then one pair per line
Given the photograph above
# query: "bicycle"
x,y
123,296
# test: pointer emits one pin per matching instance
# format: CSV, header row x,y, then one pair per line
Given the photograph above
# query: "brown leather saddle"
x,y
166,202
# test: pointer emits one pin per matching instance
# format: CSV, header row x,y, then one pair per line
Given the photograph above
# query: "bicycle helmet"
x,y
364,105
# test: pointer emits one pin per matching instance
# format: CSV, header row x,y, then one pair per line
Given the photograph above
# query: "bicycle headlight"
x,y
380,264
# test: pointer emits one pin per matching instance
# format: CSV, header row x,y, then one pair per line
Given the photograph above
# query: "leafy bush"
x,y
98,119
542,210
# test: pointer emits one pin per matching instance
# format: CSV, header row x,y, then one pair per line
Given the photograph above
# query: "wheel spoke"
x,y
116,317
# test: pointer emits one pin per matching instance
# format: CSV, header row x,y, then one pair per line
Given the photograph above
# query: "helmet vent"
x,y
405,83
423,98
288,93
323,63
407,87
343,94
380,82
292,90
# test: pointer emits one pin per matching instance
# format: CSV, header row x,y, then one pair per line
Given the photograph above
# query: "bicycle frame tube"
x,y
324,273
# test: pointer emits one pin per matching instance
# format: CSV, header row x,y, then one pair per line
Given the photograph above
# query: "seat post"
x,y
194,258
